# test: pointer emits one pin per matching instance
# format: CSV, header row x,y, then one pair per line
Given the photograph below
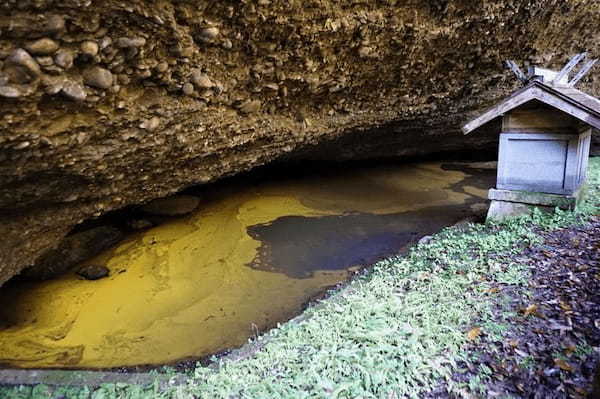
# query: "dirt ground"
x,y
549,341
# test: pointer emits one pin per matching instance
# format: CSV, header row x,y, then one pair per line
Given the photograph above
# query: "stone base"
x,y
509,203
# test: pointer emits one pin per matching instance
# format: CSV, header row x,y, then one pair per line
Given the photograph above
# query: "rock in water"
x,y
73,250
93,272
176,205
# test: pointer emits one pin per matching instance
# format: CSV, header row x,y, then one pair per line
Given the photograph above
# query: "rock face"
x,y
72,250
185,92
176,205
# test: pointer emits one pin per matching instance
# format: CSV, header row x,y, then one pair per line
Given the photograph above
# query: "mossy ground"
x,y
397,331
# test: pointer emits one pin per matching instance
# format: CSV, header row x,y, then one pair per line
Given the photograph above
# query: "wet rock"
x,y
74,91
64,59
89,48
73,250
188,89
22,59
128,42
98,77
201,80
44,46
93,272
176,205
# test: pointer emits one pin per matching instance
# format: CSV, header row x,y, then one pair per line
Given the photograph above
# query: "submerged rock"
x,y
176,205
93,272
73,250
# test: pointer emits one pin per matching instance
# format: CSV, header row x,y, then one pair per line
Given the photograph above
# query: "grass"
x,y
395,332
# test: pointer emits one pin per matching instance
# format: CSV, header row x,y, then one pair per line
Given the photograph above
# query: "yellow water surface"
x,y
196,285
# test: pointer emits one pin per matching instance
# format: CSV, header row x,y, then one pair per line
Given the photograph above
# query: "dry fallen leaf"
x,y
570,349
530,310
474,333
564,306
563,365
494,290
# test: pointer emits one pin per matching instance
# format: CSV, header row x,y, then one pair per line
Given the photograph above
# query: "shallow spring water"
x,y
250,257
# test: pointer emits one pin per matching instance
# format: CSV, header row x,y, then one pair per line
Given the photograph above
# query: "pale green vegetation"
x,y
395,332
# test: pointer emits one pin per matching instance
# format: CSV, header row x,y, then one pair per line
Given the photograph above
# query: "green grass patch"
x,y
396,332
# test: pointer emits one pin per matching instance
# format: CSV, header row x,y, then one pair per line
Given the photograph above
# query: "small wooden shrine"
x,y
544,141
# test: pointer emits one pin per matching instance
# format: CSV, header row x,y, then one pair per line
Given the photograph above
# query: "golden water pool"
x,y
250,257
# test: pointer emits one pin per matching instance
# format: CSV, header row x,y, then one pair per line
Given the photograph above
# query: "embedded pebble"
x,y
123,79
201,80
162,67
105,42
44,46
54,24
10,92
227,45
45,61
188,89
126,42
64,59
250,106
22,58
150,124
53,88
89,48
98,77
74,91
209,33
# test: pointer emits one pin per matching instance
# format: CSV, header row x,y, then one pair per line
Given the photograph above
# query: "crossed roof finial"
x,y
552,77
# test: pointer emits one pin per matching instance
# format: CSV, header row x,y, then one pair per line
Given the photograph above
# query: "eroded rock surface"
x,y
110,103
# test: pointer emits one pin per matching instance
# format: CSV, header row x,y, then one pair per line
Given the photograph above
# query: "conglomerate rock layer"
x,y
109,103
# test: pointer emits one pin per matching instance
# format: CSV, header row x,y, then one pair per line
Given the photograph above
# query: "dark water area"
x,y
298,246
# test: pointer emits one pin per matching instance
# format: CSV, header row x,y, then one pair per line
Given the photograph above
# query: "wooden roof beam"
x,y
586,68
569,67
